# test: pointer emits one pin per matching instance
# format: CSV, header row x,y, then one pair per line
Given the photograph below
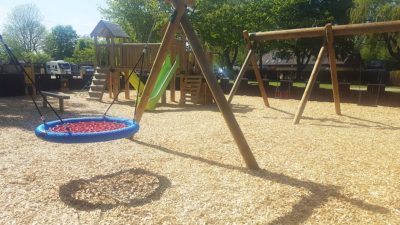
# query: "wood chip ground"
x,y
183,167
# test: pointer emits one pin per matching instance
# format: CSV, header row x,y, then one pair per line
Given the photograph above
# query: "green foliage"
x,y
137,17
23,31
60,42
220,25
84,52
309,13
378,46
36,57
39,57
3,55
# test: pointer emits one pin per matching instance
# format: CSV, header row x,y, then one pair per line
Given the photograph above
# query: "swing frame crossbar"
x,y
328,32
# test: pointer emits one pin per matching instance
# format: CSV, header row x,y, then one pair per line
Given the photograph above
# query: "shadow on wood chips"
x,y
130,188
303,209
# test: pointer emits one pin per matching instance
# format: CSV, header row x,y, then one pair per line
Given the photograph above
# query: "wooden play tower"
x,y
116,57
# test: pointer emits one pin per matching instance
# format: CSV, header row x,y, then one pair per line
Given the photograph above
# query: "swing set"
x,y
328,32
104,128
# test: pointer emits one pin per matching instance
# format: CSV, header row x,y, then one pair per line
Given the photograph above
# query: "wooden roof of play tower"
x,y
108,29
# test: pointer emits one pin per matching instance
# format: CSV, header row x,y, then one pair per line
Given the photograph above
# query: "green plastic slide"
x,y
166,73
136,82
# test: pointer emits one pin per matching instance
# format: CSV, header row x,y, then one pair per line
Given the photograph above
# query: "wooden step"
x,y
98,81
191,89
100,76
99,88
93,98
95,94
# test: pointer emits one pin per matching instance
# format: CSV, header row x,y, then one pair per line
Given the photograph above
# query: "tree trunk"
x,y
228,61
393,48
302,60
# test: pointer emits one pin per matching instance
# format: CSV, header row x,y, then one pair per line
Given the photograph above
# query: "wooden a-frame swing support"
x,y
328,32
179,18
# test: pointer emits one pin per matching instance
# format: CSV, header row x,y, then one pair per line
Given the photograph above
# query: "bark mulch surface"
x,y
183,166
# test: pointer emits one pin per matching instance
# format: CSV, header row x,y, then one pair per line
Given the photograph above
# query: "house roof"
x,y
108,29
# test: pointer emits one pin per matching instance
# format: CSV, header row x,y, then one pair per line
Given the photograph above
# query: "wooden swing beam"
x,y
179,18
328,32
338,30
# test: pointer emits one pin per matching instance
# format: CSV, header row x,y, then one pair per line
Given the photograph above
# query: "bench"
x,y
60,97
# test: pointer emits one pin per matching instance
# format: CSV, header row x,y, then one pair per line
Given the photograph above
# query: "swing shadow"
x,y
303,209
109,191
374,124
209,108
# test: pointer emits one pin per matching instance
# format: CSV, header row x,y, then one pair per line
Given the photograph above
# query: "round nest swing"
x,y
86,129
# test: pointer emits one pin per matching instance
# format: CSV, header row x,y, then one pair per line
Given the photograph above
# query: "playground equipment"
x,y
181,19
135,81
116,58
86,129
328,32
167,72
76,130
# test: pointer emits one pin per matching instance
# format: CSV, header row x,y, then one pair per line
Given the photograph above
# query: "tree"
x,y
137,17
84,52
220,25
60,42
309,13
374,11
24,31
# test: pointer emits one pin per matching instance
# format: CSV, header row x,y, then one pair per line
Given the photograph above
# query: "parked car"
x,y
58,67
74,69
86,70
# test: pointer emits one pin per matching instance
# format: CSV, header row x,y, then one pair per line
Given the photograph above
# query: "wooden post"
x,y
172,88
110,84
44,101
332,63
256,69
164,98
162,53
240,76
310,84
182,89
126,75
61,104
114,72
116,84
216,91
97,53
110,77
174,52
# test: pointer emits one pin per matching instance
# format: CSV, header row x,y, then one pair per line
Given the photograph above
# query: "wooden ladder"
x,y
97,86
191,89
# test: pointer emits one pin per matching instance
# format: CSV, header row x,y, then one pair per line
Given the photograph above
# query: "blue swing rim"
x,y
43,132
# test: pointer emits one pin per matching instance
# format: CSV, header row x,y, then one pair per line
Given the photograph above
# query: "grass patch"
x,y
395,89
299,84
356,87
353,87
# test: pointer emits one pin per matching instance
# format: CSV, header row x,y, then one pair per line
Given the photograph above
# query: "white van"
x,y
58,67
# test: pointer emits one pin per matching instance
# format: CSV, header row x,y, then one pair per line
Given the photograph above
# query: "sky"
x,y
82,15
